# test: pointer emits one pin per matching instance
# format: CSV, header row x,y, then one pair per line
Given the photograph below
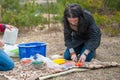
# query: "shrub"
x,y
100,19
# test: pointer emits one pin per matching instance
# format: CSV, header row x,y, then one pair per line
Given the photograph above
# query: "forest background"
x,y
29,13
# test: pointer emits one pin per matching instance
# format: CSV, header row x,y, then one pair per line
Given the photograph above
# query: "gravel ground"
x,y
109,50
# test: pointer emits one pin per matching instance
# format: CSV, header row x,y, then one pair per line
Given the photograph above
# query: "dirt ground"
x,y
109,50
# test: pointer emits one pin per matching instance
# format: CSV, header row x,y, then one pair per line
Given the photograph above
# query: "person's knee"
x,y
67,57
88,60
90,56
10,66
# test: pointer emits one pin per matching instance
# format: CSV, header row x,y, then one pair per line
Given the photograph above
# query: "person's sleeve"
x,y
71,50
67,37
94,34
2,27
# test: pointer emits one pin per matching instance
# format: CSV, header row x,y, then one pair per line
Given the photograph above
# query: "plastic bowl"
x,y
38,64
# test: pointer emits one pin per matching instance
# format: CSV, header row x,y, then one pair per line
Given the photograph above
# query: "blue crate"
x,y
31,49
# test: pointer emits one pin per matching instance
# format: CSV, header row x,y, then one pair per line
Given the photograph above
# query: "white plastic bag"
x,y
49,63
11,50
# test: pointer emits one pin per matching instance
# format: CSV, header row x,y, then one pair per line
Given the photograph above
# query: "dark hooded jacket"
x,y
90,38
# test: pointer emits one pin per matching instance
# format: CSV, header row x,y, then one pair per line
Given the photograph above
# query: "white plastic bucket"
x,y
10,36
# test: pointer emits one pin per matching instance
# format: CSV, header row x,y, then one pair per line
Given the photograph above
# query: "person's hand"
x,y
9,27
74,57
1,43
82,58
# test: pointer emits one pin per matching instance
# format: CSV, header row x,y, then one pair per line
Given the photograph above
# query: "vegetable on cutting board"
x,y
78,64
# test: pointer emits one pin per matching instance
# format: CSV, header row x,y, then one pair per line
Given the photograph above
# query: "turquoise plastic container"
x,y
26,50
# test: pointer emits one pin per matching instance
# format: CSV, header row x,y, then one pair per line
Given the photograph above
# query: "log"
x,y
62,73
97,65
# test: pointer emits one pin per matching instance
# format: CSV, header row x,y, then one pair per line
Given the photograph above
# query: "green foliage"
x,y
116,17
110,23
111,31
30,14
113,26
22,15
10,4
100,19
114,4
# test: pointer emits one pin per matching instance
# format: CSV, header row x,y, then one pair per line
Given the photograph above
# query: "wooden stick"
x,y
61,73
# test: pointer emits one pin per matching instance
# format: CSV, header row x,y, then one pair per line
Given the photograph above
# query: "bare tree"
x,y
0,13
48,6
104,6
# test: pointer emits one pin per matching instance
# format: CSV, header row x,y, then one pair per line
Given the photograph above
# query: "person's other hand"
x,y
9,27
1,43
74,57
82,58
